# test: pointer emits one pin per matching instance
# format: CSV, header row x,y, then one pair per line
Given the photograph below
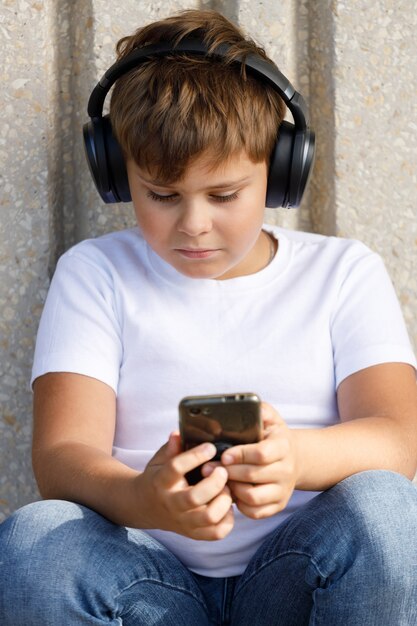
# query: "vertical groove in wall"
x,y
228,8
322,109
80,198
301,62
71,54
57,29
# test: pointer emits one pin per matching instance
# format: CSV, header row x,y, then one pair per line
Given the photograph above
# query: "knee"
x,y
45,553
34,540
380,497
28,526
378,509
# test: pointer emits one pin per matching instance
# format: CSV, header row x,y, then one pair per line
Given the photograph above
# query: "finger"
x,y
213,513
202,493
255,474
267,451
174,444
256,495
175,468
208,468
259,512
270,416
167,451
216,531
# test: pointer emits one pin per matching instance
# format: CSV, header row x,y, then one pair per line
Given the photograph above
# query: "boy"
x,y
203,298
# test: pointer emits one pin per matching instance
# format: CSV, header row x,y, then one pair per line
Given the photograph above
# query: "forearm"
x,y
327,456
158,497
86,475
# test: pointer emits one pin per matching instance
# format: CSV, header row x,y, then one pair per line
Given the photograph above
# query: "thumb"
x,y
168,450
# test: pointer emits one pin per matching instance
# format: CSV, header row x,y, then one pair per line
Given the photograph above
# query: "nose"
x,y
195,219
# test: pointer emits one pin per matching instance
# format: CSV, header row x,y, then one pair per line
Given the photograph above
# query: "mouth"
x,y
196,253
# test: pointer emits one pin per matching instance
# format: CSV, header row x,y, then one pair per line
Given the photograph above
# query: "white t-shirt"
x,y
321,310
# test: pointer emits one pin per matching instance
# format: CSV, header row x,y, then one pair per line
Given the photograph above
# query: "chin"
x,y
198,274
200,271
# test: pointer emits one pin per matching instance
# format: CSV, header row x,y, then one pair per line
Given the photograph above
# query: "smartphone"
x,y
225,420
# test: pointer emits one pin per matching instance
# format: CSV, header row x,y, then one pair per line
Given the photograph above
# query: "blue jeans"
x,y
346,558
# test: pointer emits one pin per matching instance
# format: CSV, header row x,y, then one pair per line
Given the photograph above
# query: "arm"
x,y
378,430
74,424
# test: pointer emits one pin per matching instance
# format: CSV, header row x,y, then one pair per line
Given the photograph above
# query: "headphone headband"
x,y
264,70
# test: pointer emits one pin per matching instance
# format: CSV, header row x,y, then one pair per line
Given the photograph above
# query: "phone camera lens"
x,y
194,411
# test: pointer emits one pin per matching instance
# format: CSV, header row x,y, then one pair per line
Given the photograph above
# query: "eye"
x,y
158,198
229,198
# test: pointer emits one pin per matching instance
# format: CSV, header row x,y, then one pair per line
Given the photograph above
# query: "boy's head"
x,y
171,110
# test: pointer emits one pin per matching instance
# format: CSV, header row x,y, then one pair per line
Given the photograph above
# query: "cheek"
x,y
251,215
149,222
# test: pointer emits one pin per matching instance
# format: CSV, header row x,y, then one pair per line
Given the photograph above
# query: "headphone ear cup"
x,y
280,167
93,145
95,151
116,167
290,167
301,166
105,160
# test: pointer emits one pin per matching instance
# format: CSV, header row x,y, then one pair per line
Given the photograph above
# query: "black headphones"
x,y
292,158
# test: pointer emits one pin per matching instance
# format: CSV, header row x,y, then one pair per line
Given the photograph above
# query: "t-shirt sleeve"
x,y
367,325
79,331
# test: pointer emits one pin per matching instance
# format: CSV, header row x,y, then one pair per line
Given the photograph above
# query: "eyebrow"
x,y
220,185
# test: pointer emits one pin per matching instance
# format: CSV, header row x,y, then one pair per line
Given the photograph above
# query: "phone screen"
x,y
224,419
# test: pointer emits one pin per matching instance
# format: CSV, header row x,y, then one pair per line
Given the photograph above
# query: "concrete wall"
x,y
354,62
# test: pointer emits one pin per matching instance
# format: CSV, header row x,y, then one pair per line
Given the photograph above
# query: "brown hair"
x,y
172,109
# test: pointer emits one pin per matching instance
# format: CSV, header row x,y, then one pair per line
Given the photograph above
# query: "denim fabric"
x,y
346,558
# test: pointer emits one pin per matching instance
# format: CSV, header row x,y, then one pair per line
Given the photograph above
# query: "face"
x,y
208,224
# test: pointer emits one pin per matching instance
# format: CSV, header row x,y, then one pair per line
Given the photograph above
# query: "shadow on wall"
x,y
229,8
71,28
319,58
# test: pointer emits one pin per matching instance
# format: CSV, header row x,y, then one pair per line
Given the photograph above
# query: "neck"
x,y
272,247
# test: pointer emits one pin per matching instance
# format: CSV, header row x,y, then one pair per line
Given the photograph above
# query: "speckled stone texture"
x,y
353,61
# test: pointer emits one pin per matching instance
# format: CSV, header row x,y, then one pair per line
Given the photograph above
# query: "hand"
x,y
203,511
262,476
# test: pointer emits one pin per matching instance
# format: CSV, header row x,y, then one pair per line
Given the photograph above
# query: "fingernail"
x,y
209,449
207,469
222,470
227,459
